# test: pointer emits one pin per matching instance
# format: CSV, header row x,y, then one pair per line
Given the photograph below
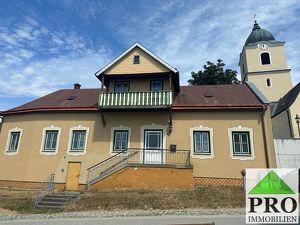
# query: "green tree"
x,y
214,74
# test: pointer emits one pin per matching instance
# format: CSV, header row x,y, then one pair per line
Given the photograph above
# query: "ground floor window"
x,y
201,143
14,140
78,140
120,140
241,143
50,142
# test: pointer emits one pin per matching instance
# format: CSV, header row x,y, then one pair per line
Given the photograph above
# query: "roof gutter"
x,y
49,110
265,138
193,107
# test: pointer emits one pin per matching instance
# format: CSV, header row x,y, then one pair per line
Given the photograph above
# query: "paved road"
x,y
149,220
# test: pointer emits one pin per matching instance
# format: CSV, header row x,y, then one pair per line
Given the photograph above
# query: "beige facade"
x,y
126,66
30,164
277,72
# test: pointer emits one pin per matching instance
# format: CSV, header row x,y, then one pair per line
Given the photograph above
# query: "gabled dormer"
x,y
137,79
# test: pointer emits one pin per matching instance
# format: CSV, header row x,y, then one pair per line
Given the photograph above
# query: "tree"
x,y
214,74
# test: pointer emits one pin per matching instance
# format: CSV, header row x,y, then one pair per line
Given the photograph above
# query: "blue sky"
x,y
49,45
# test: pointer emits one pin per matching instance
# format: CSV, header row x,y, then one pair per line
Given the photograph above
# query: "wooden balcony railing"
x,y
162,99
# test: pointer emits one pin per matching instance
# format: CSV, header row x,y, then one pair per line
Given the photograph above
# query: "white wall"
x,y
287,153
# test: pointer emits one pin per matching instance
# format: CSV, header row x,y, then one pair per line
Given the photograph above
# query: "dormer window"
x,y
136,59
265,58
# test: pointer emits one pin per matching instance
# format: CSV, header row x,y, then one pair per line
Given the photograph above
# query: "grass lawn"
x,y
210,197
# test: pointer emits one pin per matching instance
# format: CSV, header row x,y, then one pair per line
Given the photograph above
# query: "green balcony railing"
x,y
136,99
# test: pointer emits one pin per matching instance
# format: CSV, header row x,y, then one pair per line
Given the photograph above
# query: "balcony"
x,y
162,99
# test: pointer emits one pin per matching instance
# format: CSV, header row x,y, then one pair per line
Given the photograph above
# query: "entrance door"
x,y
153,147
73,176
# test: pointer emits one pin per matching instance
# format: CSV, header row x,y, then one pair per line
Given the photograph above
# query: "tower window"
x,y
136,59
269,84
265,58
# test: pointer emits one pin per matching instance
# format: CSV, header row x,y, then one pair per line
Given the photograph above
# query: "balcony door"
x,y
153,147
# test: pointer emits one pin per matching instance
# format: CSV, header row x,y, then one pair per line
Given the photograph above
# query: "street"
x,y
149,220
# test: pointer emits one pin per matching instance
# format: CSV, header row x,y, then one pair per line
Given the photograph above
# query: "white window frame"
x,y
45,129
211,136
70,152
120,128
6,151
241,129
269,57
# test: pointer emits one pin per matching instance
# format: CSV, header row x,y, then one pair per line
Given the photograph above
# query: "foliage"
x,y
214,74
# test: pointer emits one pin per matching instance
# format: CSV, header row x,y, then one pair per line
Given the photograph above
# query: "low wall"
x,y
147,178
287,153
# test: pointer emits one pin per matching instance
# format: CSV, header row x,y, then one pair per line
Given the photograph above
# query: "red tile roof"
x,y
66,99
216,96
236,96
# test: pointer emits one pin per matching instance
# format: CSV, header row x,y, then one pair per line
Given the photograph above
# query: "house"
x,y
140,129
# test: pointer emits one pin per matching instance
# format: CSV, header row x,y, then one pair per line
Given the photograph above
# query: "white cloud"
x,y
188,33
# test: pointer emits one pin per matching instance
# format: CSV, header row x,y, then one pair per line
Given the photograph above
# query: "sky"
x,y
50,45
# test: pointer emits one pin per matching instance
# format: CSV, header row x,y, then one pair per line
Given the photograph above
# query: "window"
x,y
136,59
265,58
201,143
156,85
269,84
50,143
14,141
121,86
78,140
120,140
241,143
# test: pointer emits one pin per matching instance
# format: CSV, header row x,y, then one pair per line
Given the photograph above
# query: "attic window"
x,y
71,97
208,95
136,59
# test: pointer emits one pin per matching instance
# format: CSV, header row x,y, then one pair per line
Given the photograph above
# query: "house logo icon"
x,y
271,184
272,196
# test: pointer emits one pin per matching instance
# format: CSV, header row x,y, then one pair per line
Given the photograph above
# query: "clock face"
x,y
263,46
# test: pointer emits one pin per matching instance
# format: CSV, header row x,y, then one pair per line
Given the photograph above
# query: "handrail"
x,y
136,99
162,149
46,187
138,156
106,159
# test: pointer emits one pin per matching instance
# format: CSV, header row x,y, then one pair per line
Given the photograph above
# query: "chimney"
x,y
77,86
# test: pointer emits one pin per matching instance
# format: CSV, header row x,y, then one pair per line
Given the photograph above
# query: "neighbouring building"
x,y
140,129
263,62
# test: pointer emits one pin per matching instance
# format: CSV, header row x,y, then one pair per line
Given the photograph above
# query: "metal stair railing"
x,y
108,166
46,187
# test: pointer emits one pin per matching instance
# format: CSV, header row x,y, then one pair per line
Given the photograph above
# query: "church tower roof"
x,y
258,35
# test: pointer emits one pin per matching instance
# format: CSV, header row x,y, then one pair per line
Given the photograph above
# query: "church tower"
x,y
263,62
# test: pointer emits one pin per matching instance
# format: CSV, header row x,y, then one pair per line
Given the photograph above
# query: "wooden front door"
x,y
73,176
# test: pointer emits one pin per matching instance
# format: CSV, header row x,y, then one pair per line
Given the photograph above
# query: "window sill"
x,y
243,157
10,153
203,156
48,152
76,152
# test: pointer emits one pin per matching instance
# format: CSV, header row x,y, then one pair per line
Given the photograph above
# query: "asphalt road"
x,y
149,220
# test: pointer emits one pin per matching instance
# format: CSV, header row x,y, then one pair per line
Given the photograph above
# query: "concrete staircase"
x,y
57,200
